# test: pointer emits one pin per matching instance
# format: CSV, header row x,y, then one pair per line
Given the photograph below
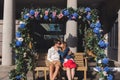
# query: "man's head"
x,y
57,43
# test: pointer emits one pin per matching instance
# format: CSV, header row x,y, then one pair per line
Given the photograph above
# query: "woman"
x,y
67,60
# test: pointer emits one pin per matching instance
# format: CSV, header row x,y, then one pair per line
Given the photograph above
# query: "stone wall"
x,y
1,25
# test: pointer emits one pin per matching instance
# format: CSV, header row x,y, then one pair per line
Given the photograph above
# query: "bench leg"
x,y
37,74
45,74
85,75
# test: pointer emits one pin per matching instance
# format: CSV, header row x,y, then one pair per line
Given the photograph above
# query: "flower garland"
x,y
23,45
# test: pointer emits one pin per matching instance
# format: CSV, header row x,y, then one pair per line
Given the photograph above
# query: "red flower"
x,y
36,13
60,15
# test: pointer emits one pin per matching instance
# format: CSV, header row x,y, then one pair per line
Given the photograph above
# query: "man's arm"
x,y
49,56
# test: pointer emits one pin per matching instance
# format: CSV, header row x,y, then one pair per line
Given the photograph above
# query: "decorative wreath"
x,y
94,40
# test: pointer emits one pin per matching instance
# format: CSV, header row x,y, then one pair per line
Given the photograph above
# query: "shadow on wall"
x,y
72,41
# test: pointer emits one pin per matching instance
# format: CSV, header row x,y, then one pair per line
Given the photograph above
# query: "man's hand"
x,y
54,62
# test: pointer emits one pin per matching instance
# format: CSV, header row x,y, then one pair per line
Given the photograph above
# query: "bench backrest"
x,y
42,59
78,58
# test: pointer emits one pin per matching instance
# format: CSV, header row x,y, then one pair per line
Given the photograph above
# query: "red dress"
x,y
69,63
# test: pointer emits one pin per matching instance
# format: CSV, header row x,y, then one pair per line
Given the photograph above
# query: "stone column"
x,y
71,28
119,35
106,40
8,31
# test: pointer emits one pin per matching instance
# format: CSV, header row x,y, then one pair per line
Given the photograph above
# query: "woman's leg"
x,y
72,73
51,71
68,73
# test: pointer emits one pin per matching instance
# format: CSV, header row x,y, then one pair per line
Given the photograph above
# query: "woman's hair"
x,y
65,43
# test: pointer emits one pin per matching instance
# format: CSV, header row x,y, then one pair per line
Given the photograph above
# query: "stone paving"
x,y
91,75
4,72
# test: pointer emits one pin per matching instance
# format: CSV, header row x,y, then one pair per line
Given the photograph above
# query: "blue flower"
x,y
25,16
18,34
22,26
88,16
32,12
18,77
69,17
75,15
96,30
107,69
97,68
45,17
105,61
109,77
98,24
65,12
102,44
92,25
87,9
18,43
53,17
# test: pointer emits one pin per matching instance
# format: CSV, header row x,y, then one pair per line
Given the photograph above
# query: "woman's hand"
x,y
70,53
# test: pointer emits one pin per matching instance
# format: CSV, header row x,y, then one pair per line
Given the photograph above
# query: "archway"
x,y
23,45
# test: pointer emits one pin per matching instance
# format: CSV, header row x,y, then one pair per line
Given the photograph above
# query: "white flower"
x,y
79,17
101,78
25,54
20,39
106,36
28,14
21,22
98,21
101,30
99,61
105,73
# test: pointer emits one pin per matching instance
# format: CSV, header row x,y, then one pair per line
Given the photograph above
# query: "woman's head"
x,y
63,44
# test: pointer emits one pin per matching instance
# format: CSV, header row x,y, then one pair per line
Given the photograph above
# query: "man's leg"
x,y
57,68
51,71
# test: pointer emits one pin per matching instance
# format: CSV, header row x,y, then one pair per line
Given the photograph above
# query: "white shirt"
x,y
53,55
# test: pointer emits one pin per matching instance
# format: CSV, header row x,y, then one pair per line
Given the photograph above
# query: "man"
x,y
54,60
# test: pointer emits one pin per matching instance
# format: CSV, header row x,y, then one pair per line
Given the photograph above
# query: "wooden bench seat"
x,y
79,59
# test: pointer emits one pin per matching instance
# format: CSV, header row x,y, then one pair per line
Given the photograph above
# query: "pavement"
x,y
91,74
4,72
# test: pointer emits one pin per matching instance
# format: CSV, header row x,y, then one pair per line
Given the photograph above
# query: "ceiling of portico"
x,y
108,8
58,3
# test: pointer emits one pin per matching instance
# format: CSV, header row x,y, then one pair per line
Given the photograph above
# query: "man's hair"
x,y
56,41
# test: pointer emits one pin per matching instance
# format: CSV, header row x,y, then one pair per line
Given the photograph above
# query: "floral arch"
x,y
23,44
